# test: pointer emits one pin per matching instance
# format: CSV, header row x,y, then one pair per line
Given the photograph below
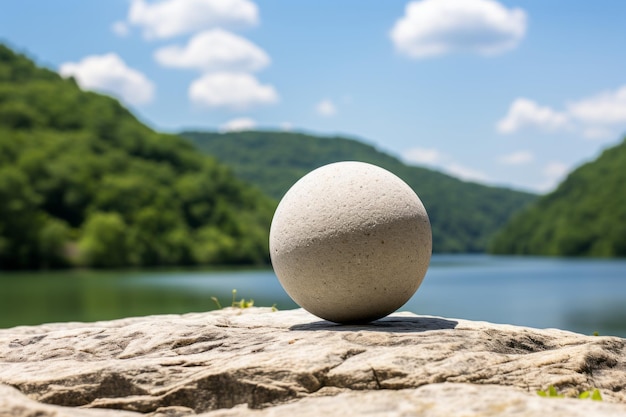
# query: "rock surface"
x,y
261,363
348,232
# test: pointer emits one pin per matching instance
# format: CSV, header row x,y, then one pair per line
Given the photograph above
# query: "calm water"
x,y
579,295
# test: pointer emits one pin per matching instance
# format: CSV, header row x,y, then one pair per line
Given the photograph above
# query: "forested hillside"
x,y
82,182
464,215
584,216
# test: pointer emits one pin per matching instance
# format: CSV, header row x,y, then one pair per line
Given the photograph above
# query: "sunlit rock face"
x,y
255,362
350,242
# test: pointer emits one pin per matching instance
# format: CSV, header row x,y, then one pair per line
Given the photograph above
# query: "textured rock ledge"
x,y
261,363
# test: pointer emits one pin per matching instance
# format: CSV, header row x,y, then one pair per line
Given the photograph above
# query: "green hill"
x,y
584,216
464,215
82,182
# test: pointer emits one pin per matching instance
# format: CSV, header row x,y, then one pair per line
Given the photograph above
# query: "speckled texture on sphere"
x,y
350,242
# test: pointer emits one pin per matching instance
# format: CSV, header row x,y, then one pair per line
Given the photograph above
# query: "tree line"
x,y
584,216
464,215
84,183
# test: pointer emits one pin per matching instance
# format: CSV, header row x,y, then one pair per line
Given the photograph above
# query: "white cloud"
x,y
110,74
428,156
465,173
120,29
603,109
444,162
235,91
601,116
326,108
554,172
215,50
555,169
517,158
238,125
525,113
168,18
436,27
286,126
594,133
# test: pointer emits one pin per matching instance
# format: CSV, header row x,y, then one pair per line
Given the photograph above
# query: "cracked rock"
x,y
257,362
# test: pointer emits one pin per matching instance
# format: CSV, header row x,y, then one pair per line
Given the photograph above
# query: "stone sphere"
x,y
350,242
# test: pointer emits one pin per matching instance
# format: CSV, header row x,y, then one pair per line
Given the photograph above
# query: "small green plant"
x,y
551,392
217,302
593,394
243,303
596,334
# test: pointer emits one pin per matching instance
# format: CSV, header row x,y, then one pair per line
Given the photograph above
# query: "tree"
x,y
103,242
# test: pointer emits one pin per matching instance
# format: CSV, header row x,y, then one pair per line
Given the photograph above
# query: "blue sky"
x,y
513,93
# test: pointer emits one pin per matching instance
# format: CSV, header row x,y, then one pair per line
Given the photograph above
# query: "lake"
x,y
581,295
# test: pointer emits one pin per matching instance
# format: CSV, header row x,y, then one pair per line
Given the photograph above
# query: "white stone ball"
x,y
350,242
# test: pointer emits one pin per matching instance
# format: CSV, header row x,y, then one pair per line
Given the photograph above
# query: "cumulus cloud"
x,y
169,18
466,173
238,125
555,169
326,108
436,27
235,91
603,109
426,156
554,172
120,29
215,50
525,113
517,158
597,117
109,74
444,162
594,133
